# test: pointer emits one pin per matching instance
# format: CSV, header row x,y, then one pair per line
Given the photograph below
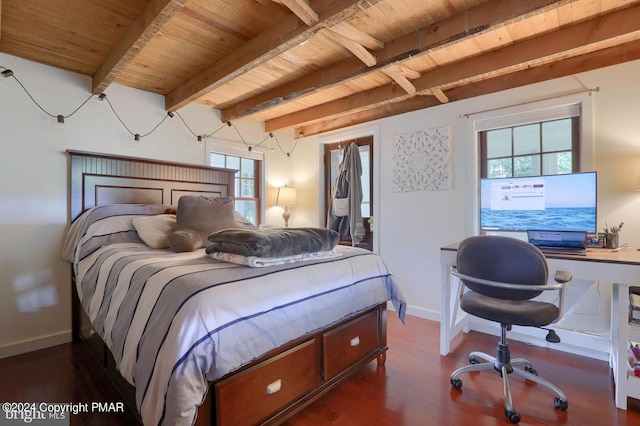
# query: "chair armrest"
x,y
511,286
563,277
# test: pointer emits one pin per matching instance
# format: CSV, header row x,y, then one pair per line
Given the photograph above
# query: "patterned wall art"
x,y
421,161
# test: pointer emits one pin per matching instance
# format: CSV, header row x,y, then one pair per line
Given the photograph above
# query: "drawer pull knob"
x,y
355,341
274,387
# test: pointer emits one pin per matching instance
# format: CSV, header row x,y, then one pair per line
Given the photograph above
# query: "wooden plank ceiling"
x,y
319,65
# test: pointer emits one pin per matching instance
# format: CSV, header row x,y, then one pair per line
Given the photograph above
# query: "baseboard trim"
x,y
423,313
35,344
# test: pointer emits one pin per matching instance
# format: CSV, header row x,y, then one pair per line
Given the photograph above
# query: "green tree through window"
x,y
247,184
542,148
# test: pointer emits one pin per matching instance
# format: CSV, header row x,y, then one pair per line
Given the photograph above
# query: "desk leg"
x,y
452,321
619,338
445,310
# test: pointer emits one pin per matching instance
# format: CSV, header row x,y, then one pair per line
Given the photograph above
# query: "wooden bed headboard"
x,y
97,179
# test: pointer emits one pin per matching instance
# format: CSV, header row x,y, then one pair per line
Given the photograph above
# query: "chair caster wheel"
x,y
530,369
560,404
456,383
513,416
473,360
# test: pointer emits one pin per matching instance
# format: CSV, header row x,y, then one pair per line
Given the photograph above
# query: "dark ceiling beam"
x,y
279,38
154,16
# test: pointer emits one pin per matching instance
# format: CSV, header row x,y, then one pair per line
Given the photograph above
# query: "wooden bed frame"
x,y
301,370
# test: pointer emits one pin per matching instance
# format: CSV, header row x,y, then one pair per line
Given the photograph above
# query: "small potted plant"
x,y
611,235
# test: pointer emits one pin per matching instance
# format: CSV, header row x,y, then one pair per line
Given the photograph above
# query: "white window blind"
x,y
546,114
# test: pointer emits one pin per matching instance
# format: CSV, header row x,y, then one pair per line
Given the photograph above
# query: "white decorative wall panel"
x,y
421,161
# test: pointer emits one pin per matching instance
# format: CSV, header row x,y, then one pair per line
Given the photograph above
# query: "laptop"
x,y
559,242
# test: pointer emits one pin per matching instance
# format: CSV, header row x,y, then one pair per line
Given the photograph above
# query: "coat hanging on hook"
x,y
344,211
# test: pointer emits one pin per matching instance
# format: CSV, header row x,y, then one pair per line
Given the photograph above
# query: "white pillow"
x,y
153,230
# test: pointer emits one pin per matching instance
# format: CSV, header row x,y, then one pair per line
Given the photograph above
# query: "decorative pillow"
x,y
184,240
114,220
198,216
154,230
273,242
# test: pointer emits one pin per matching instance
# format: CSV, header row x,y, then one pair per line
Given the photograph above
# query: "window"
x,y
247,185
546,147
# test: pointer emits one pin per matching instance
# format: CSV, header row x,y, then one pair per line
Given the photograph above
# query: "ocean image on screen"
x,y
555,202
576,218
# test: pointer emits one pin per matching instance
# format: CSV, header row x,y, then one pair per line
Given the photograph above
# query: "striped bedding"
x,y
174,321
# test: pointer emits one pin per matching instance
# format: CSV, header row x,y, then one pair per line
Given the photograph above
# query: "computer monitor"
x,y
554,202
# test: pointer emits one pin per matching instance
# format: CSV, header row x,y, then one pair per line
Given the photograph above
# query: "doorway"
x,y
332,158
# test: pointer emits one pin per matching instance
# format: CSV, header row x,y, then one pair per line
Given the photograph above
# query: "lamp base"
x,y
286,215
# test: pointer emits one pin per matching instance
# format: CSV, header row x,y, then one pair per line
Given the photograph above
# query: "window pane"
x,y
498,143
247,208
233,162
217,160
557,163
247,188
247,168
499,168
527,165
237,189
336,159
526,139
556,135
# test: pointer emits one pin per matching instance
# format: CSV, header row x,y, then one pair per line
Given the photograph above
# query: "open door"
x,y
333,154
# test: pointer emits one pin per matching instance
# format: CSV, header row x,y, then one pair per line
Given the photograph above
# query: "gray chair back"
x,y
502,259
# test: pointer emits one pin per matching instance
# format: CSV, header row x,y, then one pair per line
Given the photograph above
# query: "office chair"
x,y
500,276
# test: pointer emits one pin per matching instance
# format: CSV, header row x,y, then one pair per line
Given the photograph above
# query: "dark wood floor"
x,y
411,389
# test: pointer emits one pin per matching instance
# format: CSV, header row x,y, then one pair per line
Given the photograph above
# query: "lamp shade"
x,y
286,197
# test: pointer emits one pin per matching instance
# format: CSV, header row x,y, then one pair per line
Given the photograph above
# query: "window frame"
x,y
231,149
575,147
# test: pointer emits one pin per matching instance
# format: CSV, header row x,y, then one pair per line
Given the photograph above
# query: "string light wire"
x,y
280,146
263,141
127,128
36,102
6,73
241,138
183,122
216,131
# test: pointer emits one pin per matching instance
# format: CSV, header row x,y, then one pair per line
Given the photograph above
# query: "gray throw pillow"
x,y
198,216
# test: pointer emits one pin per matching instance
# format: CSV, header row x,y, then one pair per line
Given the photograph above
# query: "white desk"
x,y
621,268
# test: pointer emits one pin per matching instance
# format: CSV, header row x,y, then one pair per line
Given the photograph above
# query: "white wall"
x,y
410,227
35,309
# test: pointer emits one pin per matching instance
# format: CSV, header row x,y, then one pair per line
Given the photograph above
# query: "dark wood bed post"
x,y
382,358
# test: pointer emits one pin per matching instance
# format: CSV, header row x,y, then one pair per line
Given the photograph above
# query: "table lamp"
x,y
286,197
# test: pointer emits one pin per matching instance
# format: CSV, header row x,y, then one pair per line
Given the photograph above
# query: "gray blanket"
x,y
273,242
